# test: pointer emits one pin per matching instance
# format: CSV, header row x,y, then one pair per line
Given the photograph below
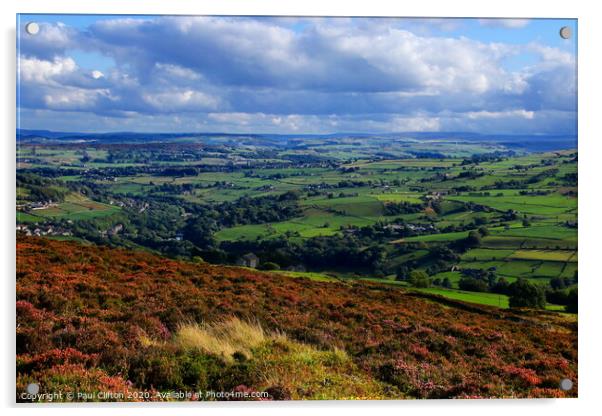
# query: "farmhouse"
x,y
248,260
395,227
115,230
40,205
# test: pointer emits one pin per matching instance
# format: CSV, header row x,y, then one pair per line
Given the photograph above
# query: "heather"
x,y
93,318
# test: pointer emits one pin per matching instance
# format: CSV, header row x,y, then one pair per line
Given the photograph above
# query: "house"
x,y
115,230
248,260
395,227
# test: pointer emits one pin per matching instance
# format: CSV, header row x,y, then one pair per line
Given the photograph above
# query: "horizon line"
x,y
295,133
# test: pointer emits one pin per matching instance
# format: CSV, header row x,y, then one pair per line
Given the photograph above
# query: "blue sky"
x,y
296,75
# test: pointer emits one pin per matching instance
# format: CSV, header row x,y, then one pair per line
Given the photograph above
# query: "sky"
x,y
288,75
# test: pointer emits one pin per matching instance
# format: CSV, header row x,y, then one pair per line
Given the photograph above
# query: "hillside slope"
x,y
96,319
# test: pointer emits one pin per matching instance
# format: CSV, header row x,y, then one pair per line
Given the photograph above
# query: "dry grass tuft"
x,y
222,338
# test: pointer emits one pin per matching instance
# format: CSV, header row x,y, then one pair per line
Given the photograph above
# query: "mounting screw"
x,y
566,384
33,388
565,32
32,28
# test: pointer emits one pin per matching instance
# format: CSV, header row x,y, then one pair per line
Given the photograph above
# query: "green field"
x,y
361,206
316,222
484,254
489,299
538,205
318,277
556,255
75,207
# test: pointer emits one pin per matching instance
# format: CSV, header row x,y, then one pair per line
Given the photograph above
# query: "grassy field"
x,y
28,218
75,207
316,222
556,255
538,205
318,277
489,299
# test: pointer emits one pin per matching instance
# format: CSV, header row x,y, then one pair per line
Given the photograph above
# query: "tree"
x,y
501,286
85,158
573,301
270,265
446,283
418,278
480,221
473,240
289,196
524,294
557,283
473,285
401,273
200,233
557,296
443,253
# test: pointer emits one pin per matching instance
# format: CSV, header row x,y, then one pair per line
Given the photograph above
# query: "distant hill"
x,y
94,318
45,135
526,142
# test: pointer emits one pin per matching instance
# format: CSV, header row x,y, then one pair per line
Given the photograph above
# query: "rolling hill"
x,y
95,319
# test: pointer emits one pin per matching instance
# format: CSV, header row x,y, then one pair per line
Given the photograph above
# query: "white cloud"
x,y
72,99
475,115
505,23
43,71
551,56
236,119
174,72
184,100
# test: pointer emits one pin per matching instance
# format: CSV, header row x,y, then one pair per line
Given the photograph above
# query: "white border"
x,y
590,138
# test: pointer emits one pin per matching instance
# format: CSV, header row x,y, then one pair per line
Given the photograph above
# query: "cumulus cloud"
x,y
296,74
42,71
52,40
326,57
58,85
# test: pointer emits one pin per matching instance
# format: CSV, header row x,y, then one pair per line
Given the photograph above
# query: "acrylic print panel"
x,y
268,208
